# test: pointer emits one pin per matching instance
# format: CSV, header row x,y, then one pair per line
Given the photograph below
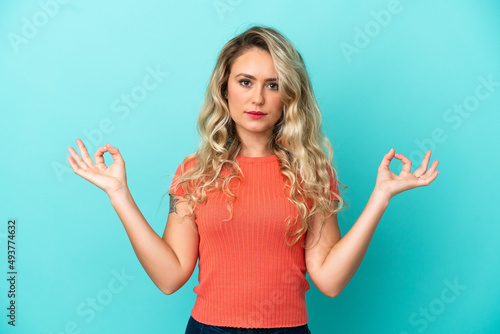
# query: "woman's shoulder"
x,y
191,158
188,162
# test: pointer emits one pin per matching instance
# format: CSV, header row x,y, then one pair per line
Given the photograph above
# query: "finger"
x,y
115,153
426,180
431,170
76,159
83,152
74,166
386,161
99,159
423,166
406,162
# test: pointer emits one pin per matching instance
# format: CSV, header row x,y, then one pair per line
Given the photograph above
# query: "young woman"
x,y
257,203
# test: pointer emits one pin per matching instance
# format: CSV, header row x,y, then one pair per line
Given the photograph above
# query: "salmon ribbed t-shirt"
x,y
248,276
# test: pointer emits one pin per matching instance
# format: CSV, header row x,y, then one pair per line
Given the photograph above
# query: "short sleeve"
x,y
178,173
179,191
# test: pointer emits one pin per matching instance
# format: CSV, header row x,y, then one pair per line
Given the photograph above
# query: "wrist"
x,y
381,196
119,194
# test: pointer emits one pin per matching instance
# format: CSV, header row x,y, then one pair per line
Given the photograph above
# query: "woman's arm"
x,y
333,261
169,261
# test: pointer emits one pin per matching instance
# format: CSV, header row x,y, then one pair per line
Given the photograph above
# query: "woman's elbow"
x,y
168,291
331,294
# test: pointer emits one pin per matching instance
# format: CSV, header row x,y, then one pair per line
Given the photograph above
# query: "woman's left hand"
x,y
391,184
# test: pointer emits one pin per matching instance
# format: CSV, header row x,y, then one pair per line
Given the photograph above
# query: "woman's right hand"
x,y
109,179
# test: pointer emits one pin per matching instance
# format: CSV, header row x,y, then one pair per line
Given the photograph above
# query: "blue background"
x,y
393,82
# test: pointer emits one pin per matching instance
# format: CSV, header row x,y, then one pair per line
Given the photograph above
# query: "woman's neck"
x,y
255,146
255,153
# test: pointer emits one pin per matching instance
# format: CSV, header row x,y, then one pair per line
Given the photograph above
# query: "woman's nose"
x,y
258,96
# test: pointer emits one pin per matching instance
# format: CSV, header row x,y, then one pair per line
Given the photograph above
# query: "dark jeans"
x,y
195,327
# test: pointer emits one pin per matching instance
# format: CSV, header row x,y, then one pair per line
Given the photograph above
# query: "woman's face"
x,y
252,94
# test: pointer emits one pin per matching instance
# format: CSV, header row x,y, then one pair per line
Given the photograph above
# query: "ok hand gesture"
x,y
109,179
391,184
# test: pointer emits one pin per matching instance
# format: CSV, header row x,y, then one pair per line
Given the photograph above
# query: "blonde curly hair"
x,y
304,152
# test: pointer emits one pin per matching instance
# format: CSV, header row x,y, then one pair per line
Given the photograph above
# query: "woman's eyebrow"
x,y
254,78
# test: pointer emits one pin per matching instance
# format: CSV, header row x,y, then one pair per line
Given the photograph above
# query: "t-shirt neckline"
x,y
270,158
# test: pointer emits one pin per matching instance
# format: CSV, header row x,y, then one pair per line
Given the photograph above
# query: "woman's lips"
x,y
255,114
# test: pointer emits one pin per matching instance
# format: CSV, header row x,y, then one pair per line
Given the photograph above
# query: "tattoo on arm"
x,y
173,201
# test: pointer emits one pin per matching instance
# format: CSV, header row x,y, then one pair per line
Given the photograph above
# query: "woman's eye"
x,y
246,83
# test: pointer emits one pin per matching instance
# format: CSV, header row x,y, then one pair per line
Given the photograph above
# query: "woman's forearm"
x,y
346,256
155,255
